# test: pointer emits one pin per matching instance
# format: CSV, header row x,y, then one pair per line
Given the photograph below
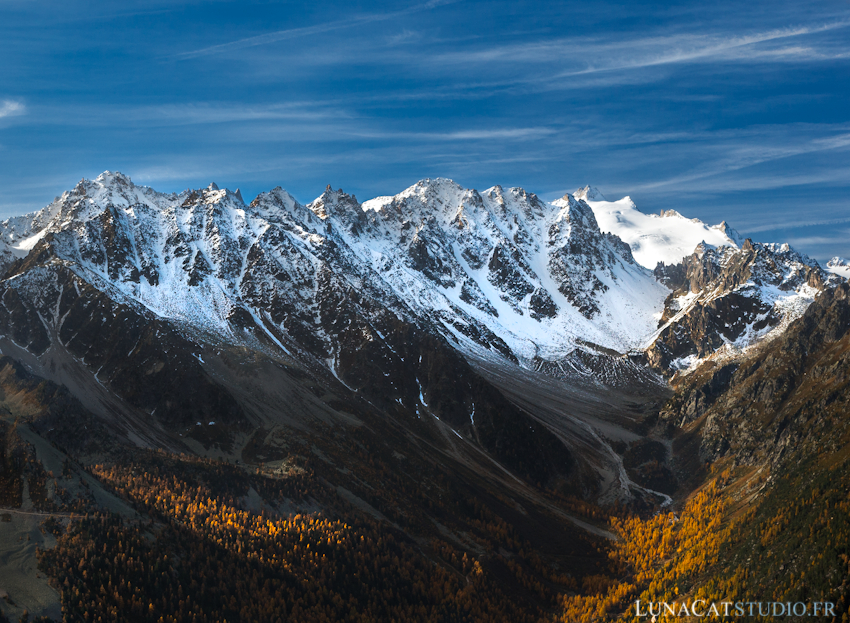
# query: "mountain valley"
x,y
445,405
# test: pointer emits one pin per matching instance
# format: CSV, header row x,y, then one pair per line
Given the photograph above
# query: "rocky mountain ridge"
x,y
501,269
419,303
726,300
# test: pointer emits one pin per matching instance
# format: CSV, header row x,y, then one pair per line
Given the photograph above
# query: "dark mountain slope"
x,y
790,397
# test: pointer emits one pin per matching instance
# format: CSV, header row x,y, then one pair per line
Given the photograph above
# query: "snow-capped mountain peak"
x,y
667,237
839,266
338,204
577,212
589,193
275,205
730,233
113,177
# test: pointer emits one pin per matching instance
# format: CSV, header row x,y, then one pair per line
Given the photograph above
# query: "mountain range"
x,y
536,357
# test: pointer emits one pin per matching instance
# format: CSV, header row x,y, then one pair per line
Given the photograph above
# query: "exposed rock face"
x,y
583,251
791,393
47,309
730,298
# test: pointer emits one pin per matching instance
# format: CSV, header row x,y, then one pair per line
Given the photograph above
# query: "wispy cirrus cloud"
x,y
580,62
11,108
193,114
691,47
476,67
731,152
634,52
798,224
405,36
202,113
306,31
492,134
308,120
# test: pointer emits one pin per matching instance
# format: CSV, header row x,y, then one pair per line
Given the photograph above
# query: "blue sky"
x,y
721,110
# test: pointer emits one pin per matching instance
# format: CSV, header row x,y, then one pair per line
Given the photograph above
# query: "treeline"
x,y
654,559
792,547
420,497
197,556
795,546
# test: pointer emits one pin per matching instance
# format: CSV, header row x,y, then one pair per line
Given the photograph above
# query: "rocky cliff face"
x,y
790,394
726,299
